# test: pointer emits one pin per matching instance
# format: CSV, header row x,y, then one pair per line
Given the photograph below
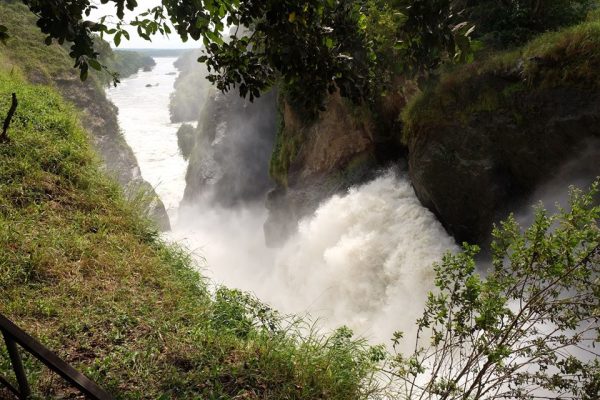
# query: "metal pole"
x,y
15,359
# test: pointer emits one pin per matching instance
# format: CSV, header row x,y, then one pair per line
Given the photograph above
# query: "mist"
x,y
579,171
363,259
229,164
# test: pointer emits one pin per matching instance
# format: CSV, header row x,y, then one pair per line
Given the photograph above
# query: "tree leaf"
x,y
94,64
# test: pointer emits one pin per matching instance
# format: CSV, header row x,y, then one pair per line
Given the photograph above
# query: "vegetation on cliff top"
x,y
26,49
567,58
81,271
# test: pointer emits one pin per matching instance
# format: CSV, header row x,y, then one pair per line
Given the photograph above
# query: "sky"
x,y
158,41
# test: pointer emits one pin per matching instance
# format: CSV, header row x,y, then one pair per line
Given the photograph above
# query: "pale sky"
x,y
158,41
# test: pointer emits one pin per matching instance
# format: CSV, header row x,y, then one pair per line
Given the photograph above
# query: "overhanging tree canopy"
x,y
248,44
313,46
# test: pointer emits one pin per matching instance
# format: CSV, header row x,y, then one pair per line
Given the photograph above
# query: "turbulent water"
x,y
363,259
145,122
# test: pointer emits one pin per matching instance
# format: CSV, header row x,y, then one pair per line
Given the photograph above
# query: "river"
x,y
145,123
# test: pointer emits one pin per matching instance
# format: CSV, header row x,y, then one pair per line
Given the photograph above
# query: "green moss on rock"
x,y
569,58
487,133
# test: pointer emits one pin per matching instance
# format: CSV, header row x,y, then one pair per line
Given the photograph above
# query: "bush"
x,y
530,327
502,24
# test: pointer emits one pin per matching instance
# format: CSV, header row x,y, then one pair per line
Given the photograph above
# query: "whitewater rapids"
x,y
364,259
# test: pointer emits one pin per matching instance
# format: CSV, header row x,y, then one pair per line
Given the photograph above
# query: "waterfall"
x,y
363,259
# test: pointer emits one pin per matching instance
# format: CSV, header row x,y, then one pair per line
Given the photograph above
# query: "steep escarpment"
x,y
229,150
52,65
481,137
491,132
480,141
315,158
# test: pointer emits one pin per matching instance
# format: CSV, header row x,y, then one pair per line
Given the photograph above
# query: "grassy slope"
x,y
26,51
81,271
47,63
570,57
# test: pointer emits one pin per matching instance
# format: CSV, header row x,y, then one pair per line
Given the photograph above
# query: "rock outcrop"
x,y
314,159
229,158
490,133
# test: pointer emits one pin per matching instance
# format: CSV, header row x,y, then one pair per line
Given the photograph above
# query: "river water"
x,y
145,123
363,259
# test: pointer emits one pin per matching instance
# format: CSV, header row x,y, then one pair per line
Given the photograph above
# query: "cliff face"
x,y
229,158
99,117
314,159
488,134
480,141
51,65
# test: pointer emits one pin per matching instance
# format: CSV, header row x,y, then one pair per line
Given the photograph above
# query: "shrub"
x,y
529,328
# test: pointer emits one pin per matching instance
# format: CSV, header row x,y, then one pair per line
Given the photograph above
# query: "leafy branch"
x,y
529,329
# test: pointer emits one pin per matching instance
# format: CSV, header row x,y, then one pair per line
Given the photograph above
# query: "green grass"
x,y
85,274
286,148
568,58
26,51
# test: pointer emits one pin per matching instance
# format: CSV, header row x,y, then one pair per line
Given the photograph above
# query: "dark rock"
x,y
470,172
229,161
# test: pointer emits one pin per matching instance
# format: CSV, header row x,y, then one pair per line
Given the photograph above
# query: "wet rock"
x,y
472,171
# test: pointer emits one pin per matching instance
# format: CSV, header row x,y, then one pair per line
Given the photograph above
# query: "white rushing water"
x,y
363,259
145,122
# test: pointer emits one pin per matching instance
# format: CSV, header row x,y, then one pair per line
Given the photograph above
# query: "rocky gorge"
x,y
476,144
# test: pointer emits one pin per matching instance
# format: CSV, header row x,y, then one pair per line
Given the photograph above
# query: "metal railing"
x,y
14,335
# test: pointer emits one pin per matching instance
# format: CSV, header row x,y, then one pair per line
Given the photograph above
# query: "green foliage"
x,y
314,47
85,274
316,44
186,139
384,23
433,32
503,24
570,57
26,49
412,38
528,328
125,63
